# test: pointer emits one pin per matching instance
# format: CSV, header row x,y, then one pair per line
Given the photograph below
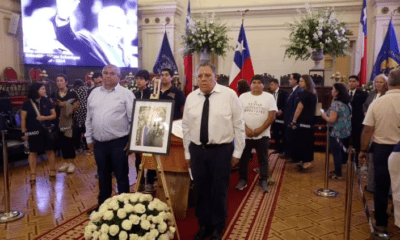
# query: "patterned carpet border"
x,y
253,217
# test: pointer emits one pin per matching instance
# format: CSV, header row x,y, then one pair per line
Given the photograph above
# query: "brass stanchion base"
x,y
379,236
326,193
11,216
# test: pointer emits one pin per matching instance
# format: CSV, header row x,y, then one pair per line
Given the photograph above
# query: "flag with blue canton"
x,y
242,67
389,55
165,58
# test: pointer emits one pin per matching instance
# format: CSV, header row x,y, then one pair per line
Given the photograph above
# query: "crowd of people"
x,y
220,130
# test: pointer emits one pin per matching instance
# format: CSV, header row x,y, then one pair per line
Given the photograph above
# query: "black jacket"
x,y
291,105
145,95
281,102
357,102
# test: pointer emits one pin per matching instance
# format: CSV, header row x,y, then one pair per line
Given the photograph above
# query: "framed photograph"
x,y
151,126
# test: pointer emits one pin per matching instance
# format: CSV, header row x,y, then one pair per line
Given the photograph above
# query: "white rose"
x,y
134,219
139,208
88,234
150,206
95,217
149,218
158,219
114,229
123,235
96,235
154,233
104,236
115,207
113,202
104,228
128,208
145,197
164,237
172,229
127,225
133,236
93,227
103,207
108,215
162,227
107,201
145,224
143,217
121,213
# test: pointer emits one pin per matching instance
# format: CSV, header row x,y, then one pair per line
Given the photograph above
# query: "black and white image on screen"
x,y
80,33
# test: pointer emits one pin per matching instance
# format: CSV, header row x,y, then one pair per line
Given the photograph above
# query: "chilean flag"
x,y
360,64
188,60
242,68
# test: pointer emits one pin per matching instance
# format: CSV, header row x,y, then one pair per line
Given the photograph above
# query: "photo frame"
x,y
151,126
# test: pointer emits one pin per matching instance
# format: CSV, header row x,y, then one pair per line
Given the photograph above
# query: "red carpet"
x,y
250,211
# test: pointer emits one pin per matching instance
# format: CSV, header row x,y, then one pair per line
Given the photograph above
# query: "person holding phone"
x,y
339,115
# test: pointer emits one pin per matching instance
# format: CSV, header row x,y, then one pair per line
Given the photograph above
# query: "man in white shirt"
x,y
108,121
212,121
259,113
382,124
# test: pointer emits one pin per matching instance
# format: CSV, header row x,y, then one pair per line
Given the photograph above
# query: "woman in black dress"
x,y
34,125
303,125
63,97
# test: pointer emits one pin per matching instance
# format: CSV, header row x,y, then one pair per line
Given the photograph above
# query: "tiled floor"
x,y
300,214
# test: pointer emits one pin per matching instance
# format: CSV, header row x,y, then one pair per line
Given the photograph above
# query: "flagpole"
x,y
243,13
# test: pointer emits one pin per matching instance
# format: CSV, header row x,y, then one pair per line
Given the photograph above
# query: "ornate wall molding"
x,y
280,9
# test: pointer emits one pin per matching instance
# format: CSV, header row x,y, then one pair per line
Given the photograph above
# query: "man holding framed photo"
x,y
211,149
108,120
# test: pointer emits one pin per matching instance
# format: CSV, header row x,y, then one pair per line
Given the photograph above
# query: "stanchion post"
x,y
349,194
8,215
326,192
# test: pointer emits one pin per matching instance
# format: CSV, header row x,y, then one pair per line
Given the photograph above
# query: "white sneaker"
x,y
63,168
71,168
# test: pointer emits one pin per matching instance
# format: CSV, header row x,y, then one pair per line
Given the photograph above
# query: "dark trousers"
x,y
211,169
289,141
151,174
261,145
111,157
278,134
339,156
66,145
382,182
77,138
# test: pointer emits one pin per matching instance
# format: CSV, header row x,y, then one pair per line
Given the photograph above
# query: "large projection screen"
x,y
80,33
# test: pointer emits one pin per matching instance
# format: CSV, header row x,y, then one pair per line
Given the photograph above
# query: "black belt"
x,y
211,145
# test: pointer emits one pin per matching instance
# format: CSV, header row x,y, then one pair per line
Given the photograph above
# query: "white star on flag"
x,y
240,47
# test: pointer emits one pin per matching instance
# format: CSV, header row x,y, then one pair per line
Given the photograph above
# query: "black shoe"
x,y
203,233
92,210
217,234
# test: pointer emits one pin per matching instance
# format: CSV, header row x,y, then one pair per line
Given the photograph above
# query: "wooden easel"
x,y
158,162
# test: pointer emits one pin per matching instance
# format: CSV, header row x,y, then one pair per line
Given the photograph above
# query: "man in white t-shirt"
x,y
259,110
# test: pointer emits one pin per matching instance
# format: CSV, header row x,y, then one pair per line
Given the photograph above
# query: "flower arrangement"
x,y
317,31
368,87
207,34
131,216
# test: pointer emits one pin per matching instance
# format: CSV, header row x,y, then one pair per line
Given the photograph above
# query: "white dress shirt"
x,y
109,114
225,122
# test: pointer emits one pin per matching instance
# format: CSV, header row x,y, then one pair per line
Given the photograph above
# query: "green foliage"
x,y
206,34
316,31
